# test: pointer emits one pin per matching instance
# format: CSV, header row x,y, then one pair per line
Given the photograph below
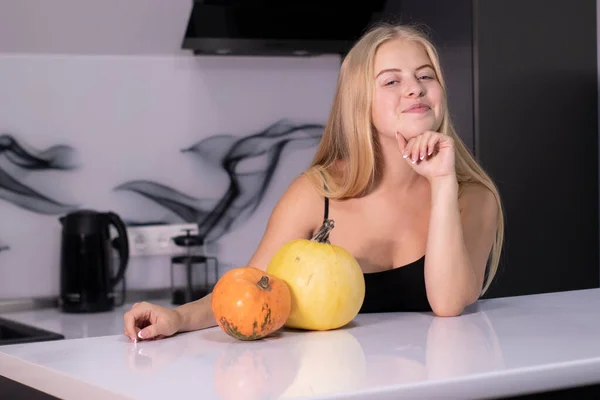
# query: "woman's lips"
x,y
417,108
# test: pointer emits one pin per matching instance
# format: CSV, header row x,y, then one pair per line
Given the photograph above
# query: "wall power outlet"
x,y
155,240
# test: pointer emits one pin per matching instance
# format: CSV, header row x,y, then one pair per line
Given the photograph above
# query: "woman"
x,y
408,200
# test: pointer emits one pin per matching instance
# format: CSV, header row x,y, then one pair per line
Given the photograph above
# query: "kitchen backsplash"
x,y
156,140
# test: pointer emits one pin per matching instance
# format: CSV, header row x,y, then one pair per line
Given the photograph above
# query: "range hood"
x,y
278,28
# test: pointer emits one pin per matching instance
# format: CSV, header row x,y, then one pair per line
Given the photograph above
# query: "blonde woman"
x,y
409,202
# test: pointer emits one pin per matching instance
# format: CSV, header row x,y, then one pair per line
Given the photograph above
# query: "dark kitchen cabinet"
x,y
523,81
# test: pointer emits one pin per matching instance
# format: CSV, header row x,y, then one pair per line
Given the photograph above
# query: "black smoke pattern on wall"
x,y
245,190
54,158
59,157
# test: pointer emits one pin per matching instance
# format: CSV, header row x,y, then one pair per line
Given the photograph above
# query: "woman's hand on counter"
x,y
151,321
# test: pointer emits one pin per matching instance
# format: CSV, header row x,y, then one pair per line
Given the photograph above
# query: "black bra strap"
x,y
326,213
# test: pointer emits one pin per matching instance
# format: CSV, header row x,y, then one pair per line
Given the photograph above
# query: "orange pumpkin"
x,y
249,304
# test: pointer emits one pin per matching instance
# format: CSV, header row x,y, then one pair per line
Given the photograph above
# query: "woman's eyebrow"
x,y
399,70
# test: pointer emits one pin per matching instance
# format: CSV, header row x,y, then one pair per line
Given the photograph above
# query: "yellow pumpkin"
x,y
326,282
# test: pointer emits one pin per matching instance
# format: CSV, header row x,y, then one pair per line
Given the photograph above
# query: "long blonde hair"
x,y
350,135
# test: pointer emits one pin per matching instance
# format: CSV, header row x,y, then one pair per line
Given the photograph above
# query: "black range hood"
x,y
278,28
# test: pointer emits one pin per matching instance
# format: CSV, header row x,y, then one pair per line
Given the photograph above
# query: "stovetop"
x,y
12,332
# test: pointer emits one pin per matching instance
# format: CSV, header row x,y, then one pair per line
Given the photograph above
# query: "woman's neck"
x,y
396,174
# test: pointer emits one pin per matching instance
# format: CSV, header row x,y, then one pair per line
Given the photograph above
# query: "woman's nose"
x,y
414,89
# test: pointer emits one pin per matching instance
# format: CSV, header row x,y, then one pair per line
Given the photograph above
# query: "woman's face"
x,y
408,98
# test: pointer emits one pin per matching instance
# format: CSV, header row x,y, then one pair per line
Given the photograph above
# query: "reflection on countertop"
x,y
497,347
376,350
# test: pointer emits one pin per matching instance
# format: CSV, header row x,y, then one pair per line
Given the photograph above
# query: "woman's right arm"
x,y
296,215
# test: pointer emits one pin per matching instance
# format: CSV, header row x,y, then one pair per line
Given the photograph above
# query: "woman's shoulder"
x,y
475,191
477,196
297,214
303,198
328,180
304,186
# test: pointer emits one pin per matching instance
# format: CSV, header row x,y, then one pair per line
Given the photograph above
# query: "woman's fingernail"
x,y
140,335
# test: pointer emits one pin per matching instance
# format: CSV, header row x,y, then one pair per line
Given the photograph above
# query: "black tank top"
x,y
394,290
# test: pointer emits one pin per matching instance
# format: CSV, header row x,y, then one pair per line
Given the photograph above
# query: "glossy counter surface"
x,y
77,325
499,347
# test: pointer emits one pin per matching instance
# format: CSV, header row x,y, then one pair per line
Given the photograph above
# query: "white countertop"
x,y
77,325
500,347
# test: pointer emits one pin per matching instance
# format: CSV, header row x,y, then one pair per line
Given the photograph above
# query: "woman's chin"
x,y
415,130
413,133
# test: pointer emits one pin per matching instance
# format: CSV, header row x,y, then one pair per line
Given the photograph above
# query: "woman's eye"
x,y
389,83
426,77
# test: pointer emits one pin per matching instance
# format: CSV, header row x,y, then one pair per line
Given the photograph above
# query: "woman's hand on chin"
x,y
430,154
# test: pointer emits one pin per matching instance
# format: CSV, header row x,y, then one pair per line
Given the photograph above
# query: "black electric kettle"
x,y
87,282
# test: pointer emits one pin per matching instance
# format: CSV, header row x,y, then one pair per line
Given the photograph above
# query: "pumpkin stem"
x,y
263,283
322,235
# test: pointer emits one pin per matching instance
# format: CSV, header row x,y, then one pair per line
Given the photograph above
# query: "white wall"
x,y
93,27
128,118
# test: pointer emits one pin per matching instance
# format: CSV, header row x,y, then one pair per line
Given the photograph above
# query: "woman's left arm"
x,y
461,231
461,234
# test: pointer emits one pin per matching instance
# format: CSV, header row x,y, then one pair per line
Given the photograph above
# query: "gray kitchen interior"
x,y
168,139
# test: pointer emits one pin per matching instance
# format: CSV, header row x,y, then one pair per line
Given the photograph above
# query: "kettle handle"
x,y
123,248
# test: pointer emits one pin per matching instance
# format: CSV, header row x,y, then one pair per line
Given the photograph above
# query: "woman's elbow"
x,y
450,307
447,311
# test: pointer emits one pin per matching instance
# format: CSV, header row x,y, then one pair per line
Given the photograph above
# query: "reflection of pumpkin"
x,y
249,304
326,282
330,362
262,371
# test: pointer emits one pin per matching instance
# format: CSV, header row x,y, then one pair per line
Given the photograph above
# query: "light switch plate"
x,y
155,240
